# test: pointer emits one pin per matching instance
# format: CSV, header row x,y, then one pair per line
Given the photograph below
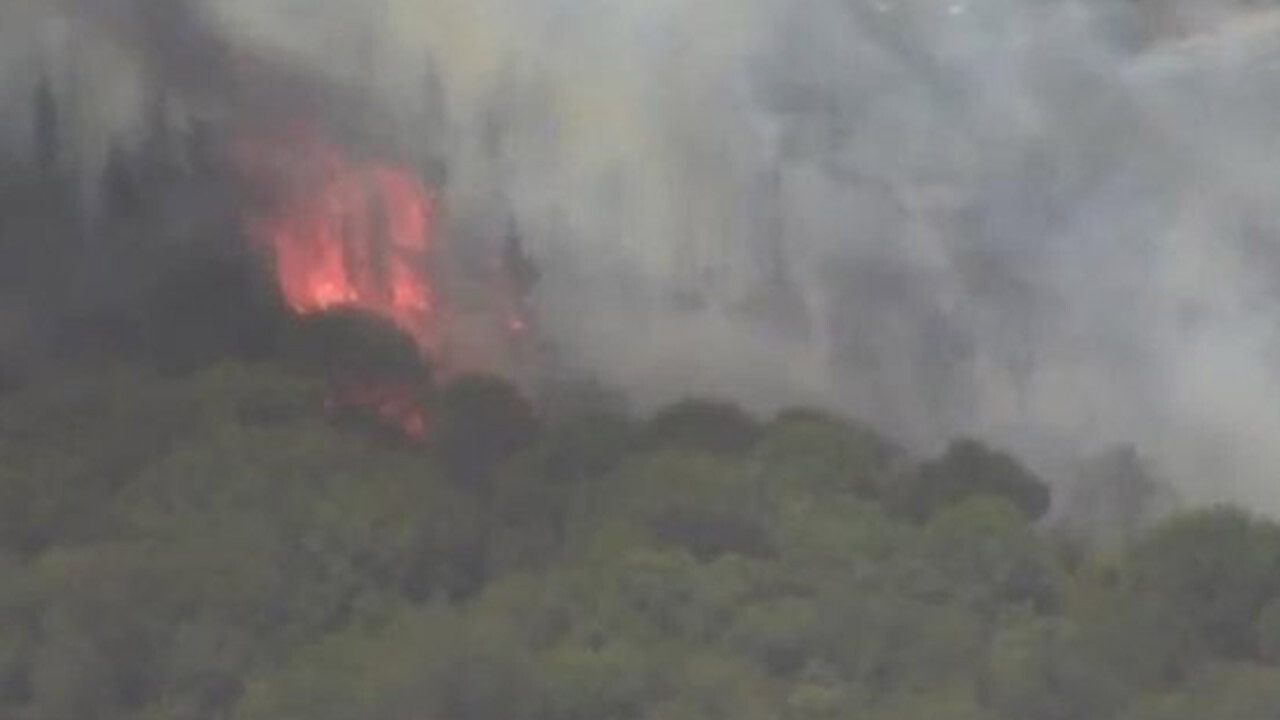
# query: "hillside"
x,y
212,547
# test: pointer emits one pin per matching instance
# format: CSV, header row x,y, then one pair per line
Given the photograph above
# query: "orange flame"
x,y
345,233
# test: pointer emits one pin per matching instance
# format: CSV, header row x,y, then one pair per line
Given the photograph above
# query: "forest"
x,y
211,544
192,529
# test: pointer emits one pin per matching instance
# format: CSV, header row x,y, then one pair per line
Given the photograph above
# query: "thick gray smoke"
x,y
1020,219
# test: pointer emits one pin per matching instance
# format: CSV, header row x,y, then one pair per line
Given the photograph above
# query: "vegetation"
x,y
189,531
208,545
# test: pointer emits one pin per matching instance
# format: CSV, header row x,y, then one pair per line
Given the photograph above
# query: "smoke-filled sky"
x,y
1038,221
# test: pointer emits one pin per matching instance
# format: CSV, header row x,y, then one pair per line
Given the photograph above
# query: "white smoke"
x,y
1007,218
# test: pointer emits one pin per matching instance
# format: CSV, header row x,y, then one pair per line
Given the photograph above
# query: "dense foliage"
x,y
211,546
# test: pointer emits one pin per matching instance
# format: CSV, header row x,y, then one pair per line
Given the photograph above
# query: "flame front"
x,y
345,233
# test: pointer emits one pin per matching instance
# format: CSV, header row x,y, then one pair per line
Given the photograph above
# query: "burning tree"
x,y
342,233
358,236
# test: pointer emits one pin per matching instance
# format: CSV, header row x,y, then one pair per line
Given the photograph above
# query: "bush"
x,y
810,452
480,422
712,426
968,468
1214,571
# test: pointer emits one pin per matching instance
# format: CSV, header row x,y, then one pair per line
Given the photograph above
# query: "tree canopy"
x,y
212,545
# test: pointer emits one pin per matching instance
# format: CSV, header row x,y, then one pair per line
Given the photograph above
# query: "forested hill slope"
x,y
214,547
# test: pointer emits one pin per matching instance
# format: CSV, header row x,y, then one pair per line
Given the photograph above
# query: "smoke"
x,y
1018,219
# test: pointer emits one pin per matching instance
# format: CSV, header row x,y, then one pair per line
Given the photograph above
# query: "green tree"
x,y
1231,692
18,615
984,555
841,542
1038,668
102,615
715,686
479,423
580,682
804,451
1269,632
535,494
429,662
777,633
966,469
703,425
702,502
946,704
1212,571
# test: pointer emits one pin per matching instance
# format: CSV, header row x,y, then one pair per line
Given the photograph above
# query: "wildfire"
x,y
344,233
389,403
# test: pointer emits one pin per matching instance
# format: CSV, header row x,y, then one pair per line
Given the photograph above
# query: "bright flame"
x,y
346,233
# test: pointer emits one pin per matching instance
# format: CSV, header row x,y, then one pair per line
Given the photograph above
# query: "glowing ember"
x,y
391,404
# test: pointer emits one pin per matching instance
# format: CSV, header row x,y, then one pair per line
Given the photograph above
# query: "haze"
x,y
1043,222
